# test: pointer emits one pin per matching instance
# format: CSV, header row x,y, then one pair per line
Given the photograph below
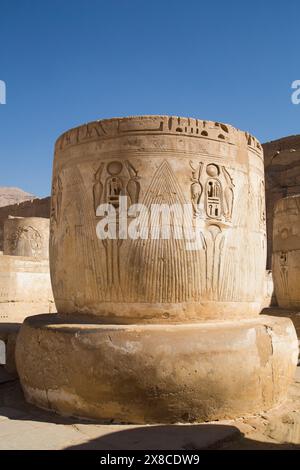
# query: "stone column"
x,y
25,284
282,168
286,252
156,329
26,236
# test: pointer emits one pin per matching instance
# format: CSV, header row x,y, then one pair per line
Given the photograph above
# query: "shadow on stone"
x,y
179,437
168,437
96,435
8,337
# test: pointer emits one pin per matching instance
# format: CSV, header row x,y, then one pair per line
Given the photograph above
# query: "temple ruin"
x,y
282,170
151,329
25,286
286,252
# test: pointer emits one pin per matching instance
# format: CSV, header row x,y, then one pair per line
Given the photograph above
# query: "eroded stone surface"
x,y
148,330
25,285
26,236
23,426
269,297
159,159
25,288
286,252
156,373
35,208
293,315
282,170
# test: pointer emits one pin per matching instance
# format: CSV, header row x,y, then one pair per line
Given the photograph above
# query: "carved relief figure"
x,y
112,180
228,195
196,187
133,185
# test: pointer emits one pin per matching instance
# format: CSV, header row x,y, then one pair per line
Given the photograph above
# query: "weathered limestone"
x,y
149,330
25,285
25,288
155,160
156,373
286,252
27,236
35,208
269,296
282,170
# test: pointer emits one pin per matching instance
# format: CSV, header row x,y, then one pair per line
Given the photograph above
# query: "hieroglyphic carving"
x,y
155,125
253,142
154,271
26,239
133,186
213,193
196,187
111,181
114,184
228,195
165,258
218,194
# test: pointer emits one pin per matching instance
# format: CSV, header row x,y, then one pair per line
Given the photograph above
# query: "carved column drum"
x,y
213,168
286,252
137,338
26,236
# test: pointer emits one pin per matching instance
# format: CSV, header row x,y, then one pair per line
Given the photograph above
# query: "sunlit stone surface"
x,y
148,330
25,286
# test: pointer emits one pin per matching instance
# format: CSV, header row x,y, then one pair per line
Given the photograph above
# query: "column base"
x,y
156,373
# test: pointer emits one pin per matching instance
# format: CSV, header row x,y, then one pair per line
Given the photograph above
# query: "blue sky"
x,y
66,62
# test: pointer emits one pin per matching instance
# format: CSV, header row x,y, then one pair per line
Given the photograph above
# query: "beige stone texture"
x,y
156,373
25,288
24,427
292,314
149,331
26,236
34,208
25,284
269,295
8,334
282,170
286,252
159,159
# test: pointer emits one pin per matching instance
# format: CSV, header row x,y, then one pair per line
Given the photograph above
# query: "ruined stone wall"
x,y
282,172
33,208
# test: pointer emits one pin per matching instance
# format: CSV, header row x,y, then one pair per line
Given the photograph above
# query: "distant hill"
x,y
10,196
